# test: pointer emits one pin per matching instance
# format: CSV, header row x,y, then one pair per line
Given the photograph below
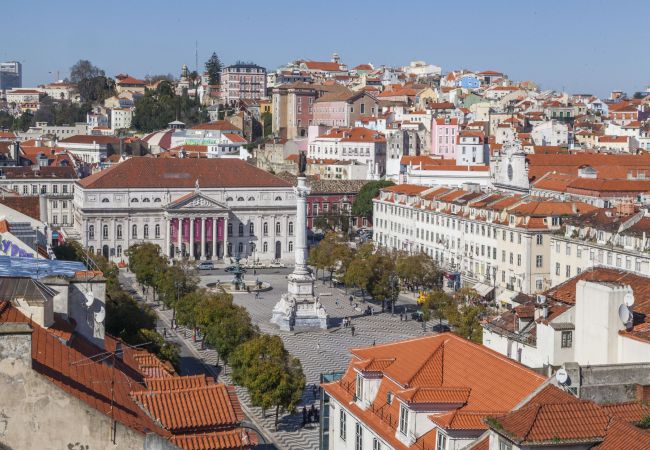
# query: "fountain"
x,y
238,284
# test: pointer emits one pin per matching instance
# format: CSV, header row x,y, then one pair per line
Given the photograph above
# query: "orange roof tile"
x,y
238,438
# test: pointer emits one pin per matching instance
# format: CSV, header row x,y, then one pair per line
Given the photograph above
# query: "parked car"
x,y
205,265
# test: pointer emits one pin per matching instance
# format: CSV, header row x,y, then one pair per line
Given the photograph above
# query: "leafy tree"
x,y
418,270
362,206
155,109
267,123
95,89
271,375
436,305
147,262
213,67
84,69
23,122
174,283
156,344
125,317
57,112
465,321
383,283
329,254
69,251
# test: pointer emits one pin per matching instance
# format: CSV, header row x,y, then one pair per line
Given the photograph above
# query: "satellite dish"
x,y
101,315
629,299
625,315
90,298
562,376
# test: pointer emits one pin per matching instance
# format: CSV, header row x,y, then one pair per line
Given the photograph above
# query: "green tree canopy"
x,y
465,321
95,89
362,205
147,262
418,270
272,377
156,108
213,67
84,69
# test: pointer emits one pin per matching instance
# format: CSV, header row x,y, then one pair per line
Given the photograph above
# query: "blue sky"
x,y
583,46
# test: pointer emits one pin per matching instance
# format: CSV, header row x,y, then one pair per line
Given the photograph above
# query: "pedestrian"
x,y
401,317
372,311
164,332
313,412
351,299
316,415
352,330
337,303
318,347
304,416
373,342
309,416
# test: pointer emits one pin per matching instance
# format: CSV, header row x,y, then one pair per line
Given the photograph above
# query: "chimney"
x,y
32,298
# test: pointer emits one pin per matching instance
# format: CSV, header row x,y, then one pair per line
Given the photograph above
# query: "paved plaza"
x,y
319,352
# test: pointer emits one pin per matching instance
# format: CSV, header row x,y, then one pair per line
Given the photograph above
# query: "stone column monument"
x,y
299,309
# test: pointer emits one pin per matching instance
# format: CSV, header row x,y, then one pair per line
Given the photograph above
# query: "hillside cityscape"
x,y
328,254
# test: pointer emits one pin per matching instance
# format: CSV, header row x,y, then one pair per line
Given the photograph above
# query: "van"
x,y
205,265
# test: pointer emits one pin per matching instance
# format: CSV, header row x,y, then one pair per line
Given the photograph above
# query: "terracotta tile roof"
x,y
90,139
452,395
409,189
171,383
232,439
552,208
631,412
623,436
235,138
40,172
325,66
182,173
128,79
28,205
221,125
481,444
460,420
191,409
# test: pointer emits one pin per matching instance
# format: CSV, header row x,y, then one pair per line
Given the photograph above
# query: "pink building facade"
x,y
444,131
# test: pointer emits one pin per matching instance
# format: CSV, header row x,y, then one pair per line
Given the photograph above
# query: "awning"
x,y
483,289
506,296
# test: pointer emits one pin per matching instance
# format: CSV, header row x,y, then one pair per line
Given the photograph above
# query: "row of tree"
x,y
156,108
133,322
259,362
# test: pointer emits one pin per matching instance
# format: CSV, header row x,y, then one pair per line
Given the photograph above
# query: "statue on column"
x,y
302,164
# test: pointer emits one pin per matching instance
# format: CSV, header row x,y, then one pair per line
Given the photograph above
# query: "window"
x,y
145,231
538,284
241,229
118,232
55,189
441,441
358,441
567,339
91,232
251,229
134,200
265,247
343,419
55,219
539,261
359,387
119,251
519,260
134,231
290,246
105,232
104,200
568,271
277,227
503,445
266,229
240,248
156,200
540,239
230,229
290,228
557,269
376,445
403,419
157,230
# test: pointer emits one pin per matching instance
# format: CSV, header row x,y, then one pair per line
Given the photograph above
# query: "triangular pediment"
x,y
195,201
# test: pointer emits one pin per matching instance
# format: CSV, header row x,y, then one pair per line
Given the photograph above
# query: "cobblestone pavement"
x,y
319,352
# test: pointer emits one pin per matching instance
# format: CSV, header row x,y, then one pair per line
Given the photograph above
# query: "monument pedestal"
x,y
299,309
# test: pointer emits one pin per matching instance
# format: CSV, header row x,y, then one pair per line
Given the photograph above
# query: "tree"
x,y
436,305
156,108
69,251
362,206
271,375
147,262
418,270
84,69
175,282
466,321
125,317
95,89
267,123
384,285
213,67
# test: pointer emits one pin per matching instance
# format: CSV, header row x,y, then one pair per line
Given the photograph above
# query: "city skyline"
x,y
557,45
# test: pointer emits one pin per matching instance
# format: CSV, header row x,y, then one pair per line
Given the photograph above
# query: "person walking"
x,y
352,330
304,416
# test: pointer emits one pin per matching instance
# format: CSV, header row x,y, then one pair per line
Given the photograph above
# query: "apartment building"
x,y
243,81
616,238
499,243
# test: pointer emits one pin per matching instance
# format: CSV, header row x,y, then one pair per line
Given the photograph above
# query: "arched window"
x,y
266,229
157,230
91,249
91,232
104,231
278,199
156,200
240,248
251,199
145,231
104,200
229,248
240,199
119,251
265,247
241,229
277,227
145,200
230,229
290,228
134,231
290,246
251,229
229,199
134,200
118,231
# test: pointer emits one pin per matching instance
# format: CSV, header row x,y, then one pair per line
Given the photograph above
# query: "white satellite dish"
x,y
629,299
100,315
90,298
625,315
562,376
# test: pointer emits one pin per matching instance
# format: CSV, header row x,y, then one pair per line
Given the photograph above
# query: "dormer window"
x,y
403,419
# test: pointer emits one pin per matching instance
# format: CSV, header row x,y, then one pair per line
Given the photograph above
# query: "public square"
x,y
319,351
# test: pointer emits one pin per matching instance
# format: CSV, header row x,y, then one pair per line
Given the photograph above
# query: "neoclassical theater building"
x,y
201,209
